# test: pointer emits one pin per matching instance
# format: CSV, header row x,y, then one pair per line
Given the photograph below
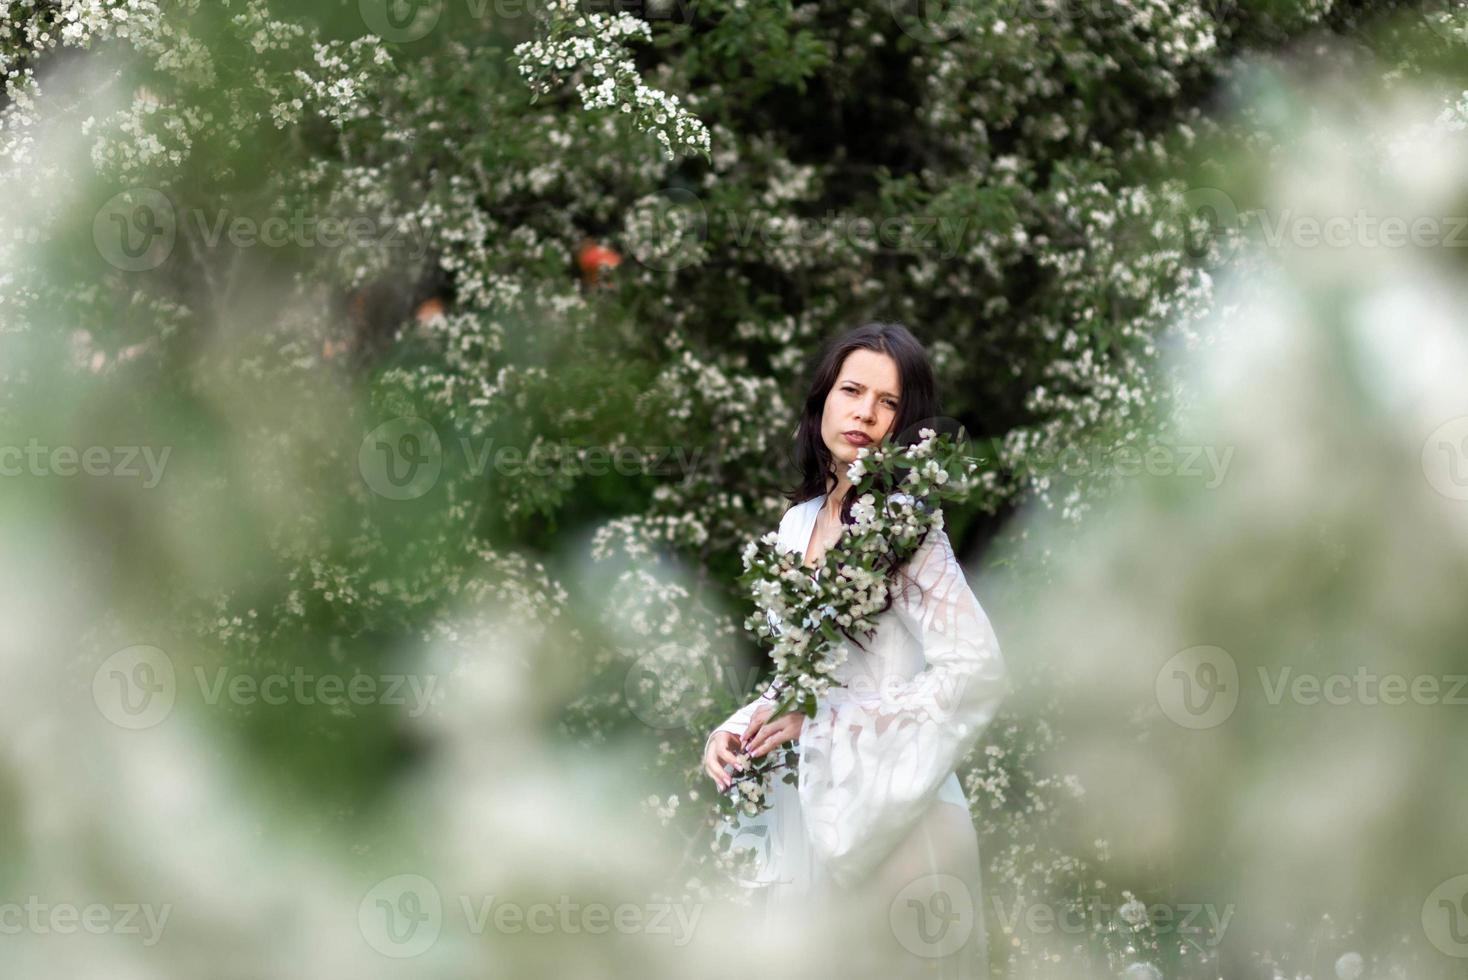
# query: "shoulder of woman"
x,y
793,511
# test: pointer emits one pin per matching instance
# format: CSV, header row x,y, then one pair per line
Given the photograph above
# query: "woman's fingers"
x,y
714,760
755,724
781,730
757,736
721,753
726,757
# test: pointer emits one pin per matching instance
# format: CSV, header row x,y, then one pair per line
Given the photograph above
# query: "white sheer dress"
x,y
877,813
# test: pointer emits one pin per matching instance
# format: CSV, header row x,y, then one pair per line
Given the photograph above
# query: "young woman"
x,y
877,811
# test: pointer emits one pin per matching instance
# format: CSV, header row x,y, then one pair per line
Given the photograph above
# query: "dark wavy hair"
x,y
917,408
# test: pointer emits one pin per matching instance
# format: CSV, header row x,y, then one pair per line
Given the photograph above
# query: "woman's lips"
x,y
857,438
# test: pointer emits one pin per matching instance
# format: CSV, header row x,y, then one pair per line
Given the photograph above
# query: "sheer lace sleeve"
x,y
876,751
739,720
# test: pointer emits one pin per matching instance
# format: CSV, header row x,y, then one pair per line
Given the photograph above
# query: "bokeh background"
x,y
388,387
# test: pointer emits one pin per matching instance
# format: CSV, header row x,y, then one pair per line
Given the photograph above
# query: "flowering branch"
x,y
597,41
799,610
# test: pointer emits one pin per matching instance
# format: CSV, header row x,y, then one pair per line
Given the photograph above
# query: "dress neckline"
x,y
810,528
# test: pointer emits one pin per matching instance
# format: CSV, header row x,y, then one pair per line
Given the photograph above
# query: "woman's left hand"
x,y
759,738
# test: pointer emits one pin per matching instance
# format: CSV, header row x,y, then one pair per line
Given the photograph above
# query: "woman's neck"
x,y
832,503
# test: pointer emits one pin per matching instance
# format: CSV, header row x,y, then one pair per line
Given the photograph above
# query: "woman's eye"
x,y
852,391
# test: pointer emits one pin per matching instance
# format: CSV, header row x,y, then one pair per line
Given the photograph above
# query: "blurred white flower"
x,y
1350,966
1134,913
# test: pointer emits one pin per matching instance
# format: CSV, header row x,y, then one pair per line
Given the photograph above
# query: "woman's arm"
x,y
875,753
739,720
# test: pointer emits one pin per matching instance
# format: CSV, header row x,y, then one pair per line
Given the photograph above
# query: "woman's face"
x,y
863,401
